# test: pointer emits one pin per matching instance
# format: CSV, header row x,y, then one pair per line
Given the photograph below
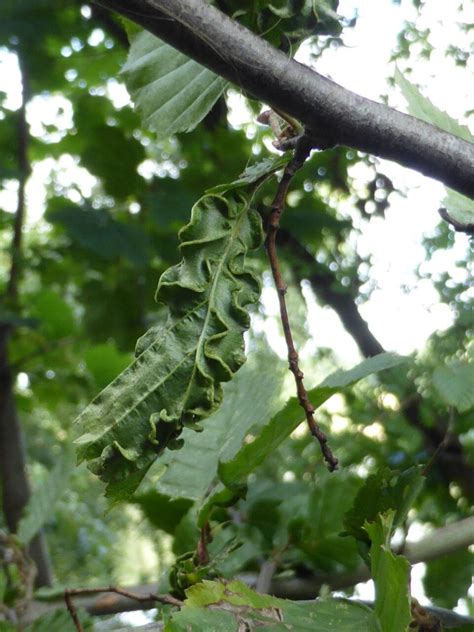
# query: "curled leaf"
x,y
175,381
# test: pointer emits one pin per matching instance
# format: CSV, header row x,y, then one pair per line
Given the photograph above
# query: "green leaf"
x,y
250,400
56,317
455,384
460,208
172,92
104,361
176,379
448,578
421,107
97,231
253,173
163,512
215,606
234,472
383,491
391,575
39,507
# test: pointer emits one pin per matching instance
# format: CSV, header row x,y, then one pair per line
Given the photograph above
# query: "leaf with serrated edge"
x,y
172,92
235,606
176,379
391,575
461,208
232,473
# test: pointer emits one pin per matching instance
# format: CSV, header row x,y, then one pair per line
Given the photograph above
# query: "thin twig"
x,y
205,538
301,153
72,611
77,592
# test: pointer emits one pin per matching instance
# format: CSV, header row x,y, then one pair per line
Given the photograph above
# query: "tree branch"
x,y
15,489
332,113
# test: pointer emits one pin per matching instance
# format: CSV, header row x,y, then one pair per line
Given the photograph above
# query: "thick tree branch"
x,y
333,114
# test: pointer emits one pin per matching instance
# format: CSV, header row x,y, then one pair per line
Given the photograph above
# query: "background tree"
x,y
78,291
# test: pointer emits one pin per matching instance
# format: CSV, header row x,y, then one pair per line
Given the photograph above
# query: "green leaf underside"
x,y
215,606
460,207
40,506
234,472
391,574
172,92
250,400
176,378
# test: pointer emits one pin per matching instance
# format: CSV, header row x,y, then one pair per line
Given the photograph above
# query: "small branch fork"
x,y
302,151
69,593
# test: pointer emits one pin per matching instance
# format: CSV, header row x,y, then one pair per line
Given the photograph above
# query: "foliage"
x,y
248,490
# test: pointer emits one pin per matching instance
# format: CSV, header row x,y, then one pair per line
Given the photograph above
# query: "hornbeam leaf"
x,y
175,381
172,92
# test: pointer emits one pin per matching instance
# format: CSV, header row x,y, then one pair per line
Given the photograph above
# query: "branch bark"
x,y
333,114
15,489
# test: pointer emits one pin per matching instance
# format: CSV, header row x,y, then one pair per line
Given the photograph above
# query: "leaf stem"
x,y
302,151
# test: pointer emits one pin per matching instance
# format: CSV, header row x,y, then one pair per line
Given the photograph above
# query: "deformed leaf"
x,y
391,575
172,92
175,381
42,501
235,471
455,384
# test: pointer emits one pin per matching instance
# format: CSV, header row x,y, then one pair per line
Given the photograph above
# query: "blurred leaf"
x,y
234,472
163,512
234,606
172,92
105,361
383,491
40,506
176,379
449,578
56,317
455,384
421,107
97,231
391,575
60,621
460,208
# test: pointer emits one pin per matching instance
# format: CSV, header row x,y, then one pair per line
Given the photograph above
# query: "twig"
x,y
76,592
73,611
301,153
205,538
